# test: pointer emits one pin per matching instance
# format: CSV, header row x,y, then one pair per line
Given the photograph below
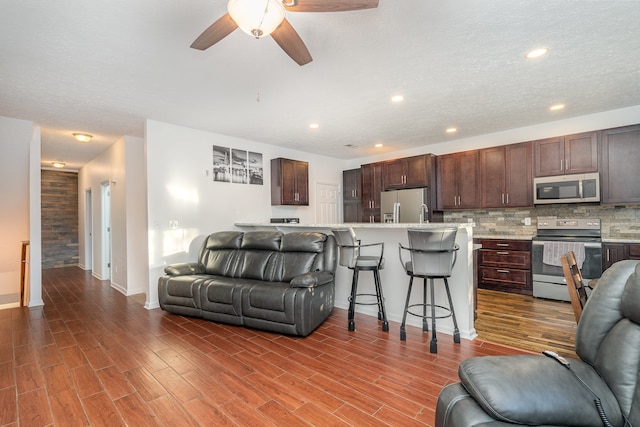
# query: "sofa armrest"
x,y
309,280
537,390
184,269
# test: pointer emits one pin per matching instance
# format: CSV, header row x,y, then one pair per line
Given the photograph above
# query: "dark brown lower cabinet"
x,y
614,252
505,265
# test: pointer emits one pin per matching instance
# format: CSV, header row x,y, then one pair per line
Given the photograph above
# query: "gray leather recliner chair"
x,y
539,390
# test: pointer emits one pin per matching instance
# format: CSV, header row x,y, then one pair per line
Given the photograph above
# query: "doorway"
x,y
88,231
106,231
326,203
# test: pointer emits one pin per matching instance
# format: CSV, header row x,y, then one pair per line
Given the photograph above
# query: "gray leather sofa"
x,y
261,279
538,390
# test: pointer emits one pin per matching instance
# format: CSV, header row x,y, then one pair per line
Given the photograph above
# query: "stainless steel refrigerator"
x,y
405,206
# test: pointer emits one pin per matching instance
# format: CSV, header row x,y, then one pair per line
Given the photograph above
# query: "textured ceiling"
x,y
103,67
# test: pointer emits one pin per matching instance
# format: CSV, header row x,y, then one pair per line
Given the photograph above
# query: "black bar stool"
x,y
350,257
433,254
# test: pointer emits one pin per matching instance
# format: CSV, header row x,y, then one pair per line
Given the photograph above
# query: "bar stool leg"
x,y
433,347
403,332
352,301
382,315
456,331
425,323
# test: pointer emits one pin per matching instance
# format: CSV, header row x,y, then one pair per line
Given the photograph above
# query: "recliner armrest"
x,y
309,280
537,390
184,269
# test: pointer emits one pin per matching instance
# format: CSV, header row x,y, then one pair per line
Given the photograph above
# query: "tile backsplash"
x,y
618,222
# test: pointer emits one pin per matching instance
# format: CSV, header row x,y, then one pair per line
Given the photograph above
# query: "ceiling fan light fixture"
x,y
258,18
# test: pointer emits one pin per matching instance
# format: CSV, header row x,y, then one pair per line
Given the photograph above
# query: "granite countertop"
x,y
621,240
502,236
523,237
359,225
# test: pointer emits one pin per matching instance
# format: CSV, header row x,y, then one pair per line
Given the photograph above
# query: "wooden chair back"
x,y
575,286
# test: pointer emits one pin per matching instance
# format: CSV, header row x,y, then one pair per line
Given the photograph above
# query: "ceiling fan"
x,y
261,18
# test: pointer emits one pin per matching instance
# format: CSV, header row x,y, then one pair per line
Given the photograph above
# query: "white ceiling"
x,y
104,66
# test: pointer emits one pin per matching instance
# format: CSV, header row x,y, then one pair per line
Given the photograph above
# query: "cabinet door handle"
x,y
561,165
608,257
502,253
503,198
507,198
505,245
503,271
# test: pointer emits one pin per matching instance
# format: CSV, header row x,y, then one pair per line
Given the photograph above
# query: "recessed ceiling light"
x,y
379,145
556,107
397,98
314,126
82,137
452,130
57,164
536,53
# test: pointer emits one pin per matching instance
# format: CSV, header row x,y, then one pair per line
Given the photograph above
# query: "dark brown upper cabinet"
x,y
289,182
458,180
409,172
566,154
351,193
620,155
506,176
371,175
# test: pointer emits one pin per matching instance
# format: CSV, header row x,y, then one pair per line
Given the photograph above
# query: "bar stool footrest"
x,y
447,311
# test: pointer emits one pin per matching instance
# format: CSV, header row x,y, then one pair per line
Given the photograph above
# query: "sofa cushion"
x,y
221,295
224,240
269,301
303,242
262,240
547,394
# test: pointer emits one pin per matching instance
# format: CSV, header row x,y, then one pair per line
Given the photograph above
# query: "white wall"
x,y
597,121
179,189
35,221
121,164
15,142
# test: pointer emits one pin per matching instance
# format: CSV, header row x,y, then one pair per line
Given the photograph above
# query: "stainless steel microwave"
x,y
567,188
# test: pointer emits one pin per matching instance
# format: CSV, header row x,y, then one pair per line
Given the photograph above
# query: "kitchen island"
x,y
394,279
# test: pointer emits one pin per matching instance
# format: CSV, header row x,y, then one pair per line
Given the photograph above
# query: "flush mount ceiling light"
x,y
379,145
556,107
314,126
451,130
256,18
58,165
536,53
397,98
82,137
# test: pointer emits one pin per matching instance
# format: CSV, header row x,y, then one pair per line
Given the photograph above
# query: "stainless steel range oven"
x,y
555,237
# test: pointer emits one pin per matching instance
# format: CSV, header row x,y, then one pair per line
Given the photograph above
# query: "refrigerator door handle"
x,y
396,213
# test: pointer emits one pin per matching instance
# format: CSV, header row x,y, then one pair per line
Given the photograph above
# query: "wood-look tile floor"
x,y
525,322
91,356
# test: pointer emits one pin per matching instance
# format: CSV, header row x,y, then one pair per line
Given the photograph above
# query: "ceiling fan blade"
x,y
291,43
216,32
329,5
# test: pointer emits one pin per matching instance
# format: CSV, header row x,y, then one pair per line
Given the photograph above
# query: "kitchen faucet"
x,y
424,211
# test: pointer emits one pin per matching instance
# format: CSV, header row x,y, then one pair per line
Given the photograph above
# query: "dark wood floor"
x,y
91,356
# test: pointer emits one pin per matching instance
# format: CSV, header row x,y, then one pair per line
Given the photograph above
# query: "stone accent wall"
x,y
59,219
618,222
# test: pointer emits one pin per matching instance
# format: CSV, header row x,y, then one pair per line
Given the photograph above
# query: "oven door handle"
x,y
586,244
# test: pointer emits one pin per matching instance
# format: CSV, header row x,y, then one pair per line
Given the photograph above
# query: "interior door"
x,y
326,203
